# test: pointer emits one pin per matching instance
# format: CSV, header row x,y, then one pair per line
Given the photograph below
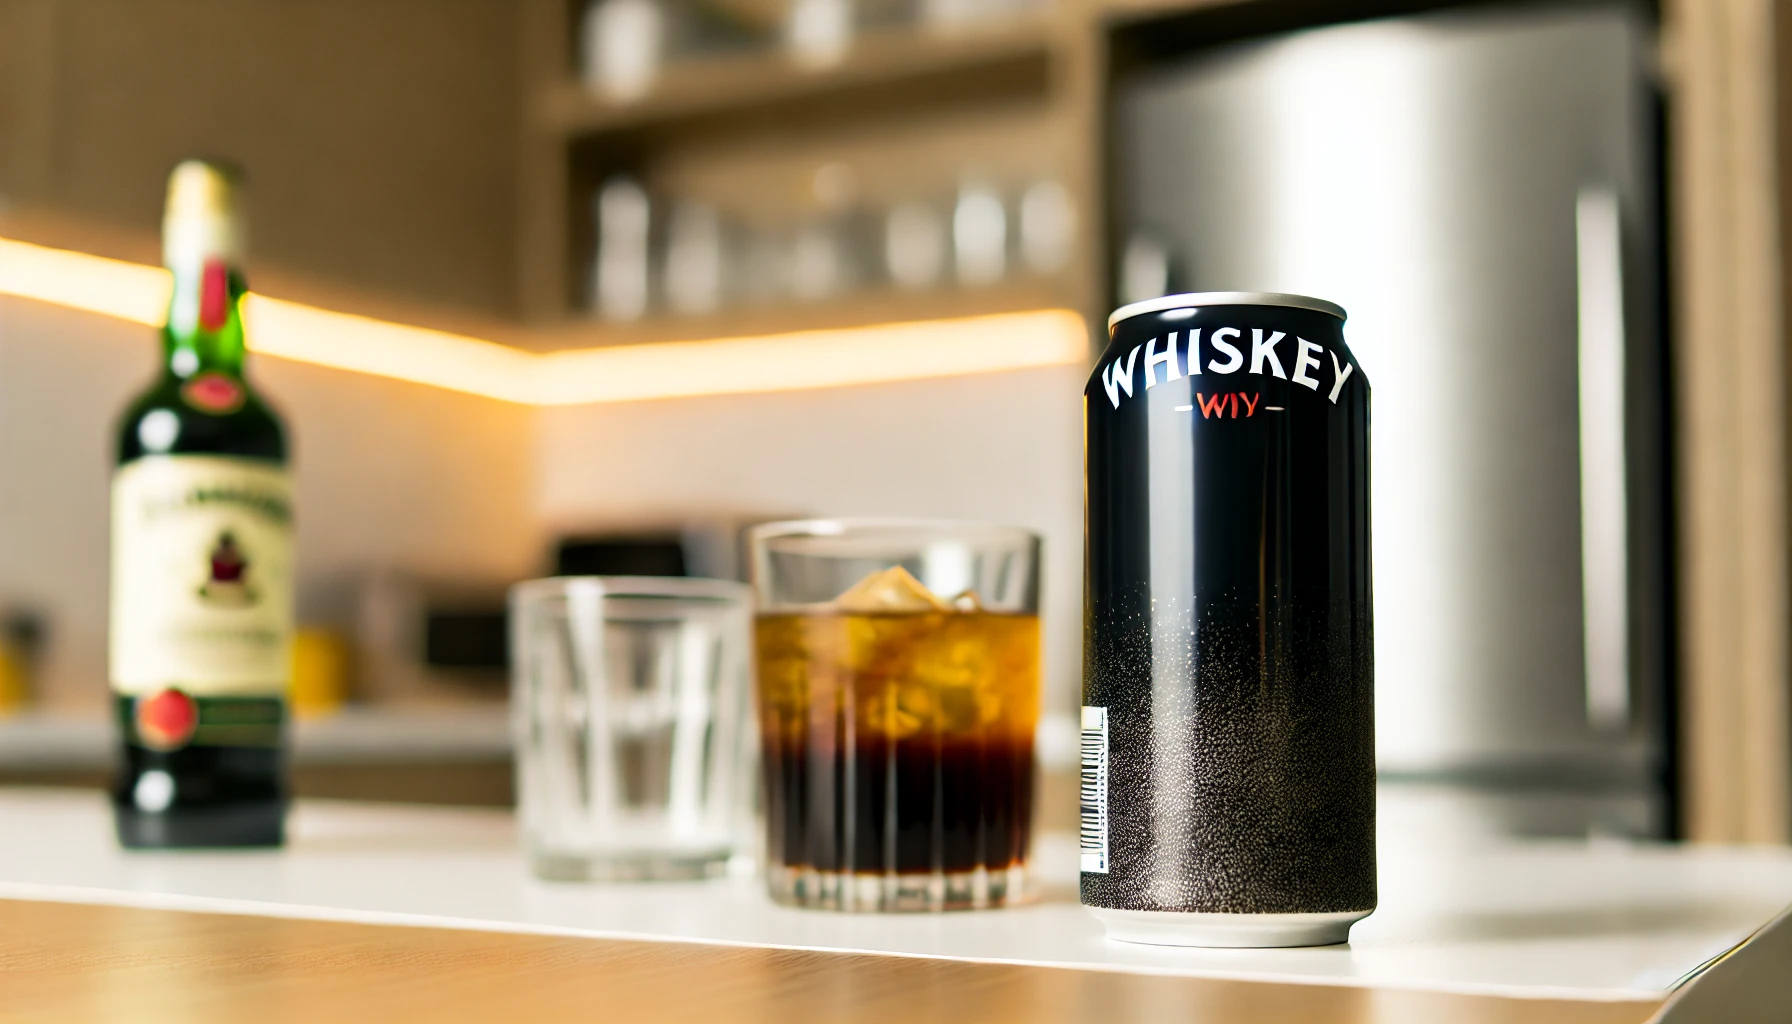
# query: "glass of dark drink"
x,y
898,692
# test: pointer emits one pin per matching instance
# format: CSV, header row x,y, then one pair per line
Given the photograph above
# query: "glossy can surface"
x,y
1228,727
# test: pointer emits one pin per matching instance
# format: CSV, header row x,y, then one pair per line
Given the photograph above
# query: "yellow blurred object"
x,y
15,690
319,672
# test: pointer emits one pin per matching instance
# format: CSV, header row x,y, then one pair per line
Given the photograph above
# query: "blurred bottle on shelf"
x,y
202,584
693,276
979,235
915,245
621,46
818,33
1047,226
620,271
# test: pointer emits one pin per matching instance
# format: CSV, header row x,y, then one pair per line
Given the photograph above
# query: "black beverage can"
x,y
1228,727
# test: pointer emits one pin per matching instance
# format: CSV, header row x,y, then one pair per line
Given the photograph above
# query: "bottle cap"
x,y
201,221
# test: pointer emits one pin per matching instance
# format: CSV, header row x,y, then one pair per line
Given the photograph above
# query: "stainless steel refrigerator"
x,y
1479,187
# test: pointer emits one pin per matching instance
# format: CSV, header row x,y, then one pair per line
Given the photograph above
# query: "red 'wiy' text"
x,y
1230,404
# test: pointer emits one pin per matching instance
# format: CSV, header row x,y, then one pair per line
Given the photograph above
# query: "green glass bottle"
x,y
202,593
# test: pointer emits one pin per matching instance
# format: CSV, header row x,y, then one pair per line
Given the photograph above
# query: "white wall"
x,y
1005,447
389,475
394,475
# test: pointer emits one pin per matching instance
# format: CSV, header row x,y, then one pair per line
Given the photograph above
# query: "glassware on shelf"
x,y
898,691
631,713
956,15
947,15
1047,226
694,273
979,235
818,33
915,245
686,256
620,271
817,263
829,250
621,46
762,265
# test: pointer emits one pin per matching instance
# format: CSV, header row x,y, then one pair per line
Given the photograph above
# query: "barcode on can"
x,y
1094,798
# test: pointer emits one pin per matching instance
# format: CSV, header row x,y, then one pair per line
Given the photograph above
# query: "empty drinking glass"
x,y
629,708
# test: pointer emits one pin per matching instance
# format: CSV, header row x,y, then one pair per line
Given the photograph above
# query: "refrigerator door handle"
x,y
1604,534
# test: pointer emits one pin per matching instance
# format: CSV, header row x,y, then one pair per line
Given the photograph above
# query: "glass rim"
x,y
690,588
843,526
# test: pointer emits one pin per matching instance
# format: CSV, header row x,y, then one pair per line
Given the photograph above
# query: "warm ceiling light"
x,y
780,362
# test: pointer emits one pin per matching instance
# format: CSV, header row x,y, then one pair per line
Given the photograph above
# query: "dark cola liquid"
x,y
898,743
1229,611
904,807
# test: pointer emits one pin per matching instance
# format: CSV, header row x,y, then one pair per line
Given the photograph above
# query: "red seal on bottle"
x,y
214,295
213,392
165,720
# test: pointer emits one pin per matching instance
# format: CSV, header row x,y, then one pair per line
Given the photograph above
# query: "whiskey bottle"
x,y
202,592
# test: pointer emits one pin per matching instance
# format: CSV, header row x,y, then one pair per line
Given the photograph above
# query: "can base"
x,y
1163,928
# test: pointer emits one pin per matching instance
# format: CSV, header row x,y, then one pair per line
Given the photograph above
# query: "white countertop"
x,y
1602,920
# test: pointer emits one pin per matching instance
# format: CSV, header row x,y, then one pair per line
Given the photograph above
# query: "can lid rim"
x,y
1133,309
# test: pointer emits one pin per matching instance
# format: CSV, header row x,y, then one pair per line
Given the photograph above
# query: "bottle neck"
x,y
205,326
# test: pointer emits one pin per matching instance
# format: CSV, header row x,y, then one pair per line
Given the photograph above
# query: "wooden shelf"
x,y
907,112
773,83
497,249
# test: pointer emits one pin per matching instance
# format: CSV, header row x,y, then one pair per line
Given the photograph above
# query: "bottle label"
x,y
202,596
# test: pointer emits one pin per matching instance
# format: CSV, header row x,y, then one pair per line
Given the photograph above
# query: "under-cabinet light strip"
x,y
128,291
779,362
344,341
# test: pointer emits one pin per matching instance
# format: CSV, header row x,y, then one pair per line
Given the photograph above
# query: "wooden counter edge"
x,y
73,963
